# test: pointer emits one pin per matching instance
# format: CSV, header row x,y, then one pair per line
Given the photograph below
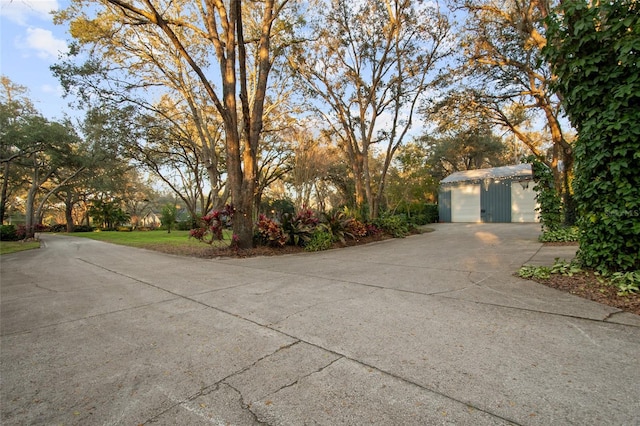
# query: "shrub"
x,y
373,230
427,214
8,233
198,233
337,225
627,282
396,225
124,228
417,219
321,240
59,227
563,234
185,225
300,228
563,267
546,195
431,213
83,228
39,227
539,272
270,233
357,229
21,232
214,224
419,213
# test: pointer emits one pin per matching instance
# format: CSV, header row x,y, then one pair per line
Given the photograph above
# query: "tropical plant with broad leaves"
x,y
300,228
270,233
213,225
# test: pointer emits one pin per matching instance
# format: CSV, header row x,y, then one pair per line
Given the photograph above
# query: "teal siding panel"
x,y
495,201
444,204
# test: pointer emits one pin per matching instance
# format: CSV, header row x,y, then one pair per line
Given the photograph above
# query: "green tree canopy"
x,y
465,149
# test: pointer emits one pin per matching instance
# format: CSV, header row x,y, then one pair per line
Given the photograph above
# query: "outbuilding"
x,y
499,194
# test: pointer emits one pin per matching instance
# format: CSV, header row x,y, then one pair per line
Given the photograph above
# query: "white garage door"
x,y
465,203
523,202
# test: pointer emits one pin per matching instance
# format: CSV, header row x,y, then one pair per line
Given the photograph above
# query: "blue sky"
x,y
30,44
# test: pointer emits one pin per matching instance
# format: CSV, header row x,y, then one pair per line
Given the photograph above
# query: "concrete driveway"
x,y
430,329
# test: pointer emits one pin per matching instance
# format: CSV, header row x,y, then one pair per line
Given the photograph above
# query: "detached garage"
x,y
499,194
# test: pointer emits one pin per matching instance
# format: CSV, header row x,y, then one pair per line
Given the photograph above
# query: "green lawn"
x,y
147,239
7,247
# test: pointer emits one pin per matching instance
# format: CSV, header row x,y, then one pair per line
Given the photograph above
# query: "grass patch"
x,y
148,239
7,247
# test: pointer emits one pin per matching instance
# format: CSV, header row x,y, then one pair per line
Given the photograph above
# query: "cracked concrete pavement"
x,y
431,329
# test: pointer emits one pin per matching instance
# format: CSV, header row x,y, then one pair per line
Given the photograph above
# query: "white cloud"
x,y
51,89
20,11
43,42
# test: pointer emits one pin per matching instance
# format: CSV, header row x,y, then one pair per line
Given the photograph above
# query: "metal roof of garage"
x,y
505,172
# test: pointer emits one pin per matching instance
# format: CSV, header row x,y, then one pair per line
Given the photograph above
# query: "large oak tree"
x,y
369,66
209,38
510,81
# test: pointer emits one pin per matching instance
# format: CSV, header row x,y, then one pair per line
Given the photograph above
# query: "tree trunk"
x,y
68,210
214,180
372,213
29,208
356,167
380,194
243,222
3,194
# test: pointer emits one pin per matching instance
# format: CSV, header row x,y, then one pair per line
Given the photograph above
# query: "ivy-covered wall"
x,y
595,49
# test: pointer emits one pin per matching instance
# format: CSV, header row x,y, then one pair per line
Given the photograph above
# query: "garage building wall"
x,y
499,195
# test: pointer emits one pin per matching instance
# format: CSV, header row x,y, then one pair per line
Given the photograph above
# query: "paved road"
x,y
431,329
